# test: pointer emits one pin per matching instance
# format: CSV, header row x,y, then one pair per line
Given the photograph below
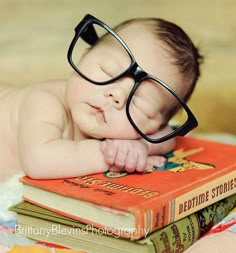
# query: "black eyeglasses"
x,y
105,70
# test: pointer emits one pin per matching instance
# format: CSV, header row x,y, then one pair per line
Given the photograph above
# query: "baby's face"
x,y
99,111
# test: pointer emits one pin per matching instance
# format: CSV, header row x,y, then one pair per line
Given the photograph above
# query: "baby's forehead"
x,y
136,32
136,26
150,52
131,31
138,37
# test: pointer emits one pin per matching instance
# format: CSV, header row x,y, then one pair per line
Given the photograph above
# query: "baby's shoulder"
x,y
47,96
47,91
53,85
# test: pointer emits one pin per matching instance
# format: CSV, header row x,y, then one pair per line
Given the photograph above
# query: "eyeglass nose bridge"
x,y
137,72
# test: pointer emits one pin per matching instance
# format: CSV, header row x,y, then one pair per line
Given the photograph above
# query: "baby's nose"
x,y
118,96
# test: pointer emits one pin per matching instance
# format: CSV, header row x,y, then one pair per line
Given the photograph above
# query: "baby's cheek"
x,y
73,83
154,126
74,91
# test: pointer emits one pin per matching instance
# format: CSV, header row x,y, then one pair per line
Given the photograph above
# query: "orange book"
x,y
196,174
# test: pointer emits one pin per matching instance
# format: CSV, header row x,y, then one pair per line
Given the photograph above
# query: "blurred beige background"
x,y
35,35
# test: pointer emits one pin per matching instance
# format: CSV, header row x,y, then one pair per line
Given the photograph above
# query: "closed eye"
x,y
104,70
144,106
110,65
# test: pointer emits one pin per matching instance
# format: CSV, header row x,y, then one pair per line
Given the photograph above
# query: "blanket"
x,y
221,238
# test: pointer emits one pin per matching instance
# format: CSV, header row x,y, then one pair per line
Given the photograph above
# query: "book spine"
x,y
180,235
169,211
203,196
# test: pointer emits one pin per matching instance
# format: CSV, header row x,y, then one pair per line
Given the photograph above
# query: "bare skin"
x,y
52,129
9,158
38,107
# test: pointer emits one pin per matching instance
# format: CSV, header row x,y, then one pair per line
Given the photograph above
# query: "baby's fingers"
x,y
156,160
109,151
136,161
121,156
115,169
141,162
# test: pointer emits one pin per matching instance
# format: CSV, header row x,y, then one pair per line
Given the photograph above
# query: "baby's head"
x,y
161,49
181,58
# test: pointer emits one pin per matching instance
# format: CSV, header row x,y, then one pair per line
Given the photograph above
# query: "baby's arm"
x,y
45,150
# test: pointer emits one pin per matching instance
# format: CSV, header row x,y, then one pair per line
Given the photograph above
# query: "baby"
x,y
112,111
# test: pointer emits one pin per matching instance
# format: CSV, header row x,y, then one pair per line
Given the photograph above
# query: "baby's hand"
x,y
129,155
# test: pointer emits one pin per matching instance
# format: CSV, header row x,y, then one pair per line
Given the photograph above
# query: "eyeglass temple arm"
x,y
89,35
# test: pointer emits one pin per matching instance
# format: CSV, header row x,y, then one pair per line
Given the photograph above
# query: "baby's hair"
x,y
185,54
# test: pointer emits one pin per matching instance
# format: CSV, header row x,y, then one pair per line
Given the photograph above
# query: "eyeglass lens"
x,y
104,61
152,105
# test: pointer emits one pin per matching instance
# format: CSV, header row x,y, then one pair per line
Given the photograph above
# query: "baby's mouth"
x,y
100,112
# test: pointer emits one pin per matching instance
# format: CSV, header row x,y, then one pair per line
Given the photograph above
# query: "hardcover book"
x,y
196,174
41,224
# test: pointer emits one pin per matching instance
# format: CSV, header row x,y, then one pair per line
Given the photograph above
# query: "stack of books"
x,y
165,210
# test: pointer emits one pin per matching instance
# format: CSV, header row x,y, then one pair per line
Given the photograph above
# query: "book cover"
x,y
40,224
196,174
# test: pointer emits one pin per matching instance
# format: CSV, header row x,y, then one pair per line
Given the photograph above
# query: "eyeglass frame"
x,y
134,70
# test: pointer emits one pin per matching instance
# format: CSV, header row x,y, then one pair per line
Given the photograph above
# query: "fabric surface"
x,y
39,249
11,193
220,239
